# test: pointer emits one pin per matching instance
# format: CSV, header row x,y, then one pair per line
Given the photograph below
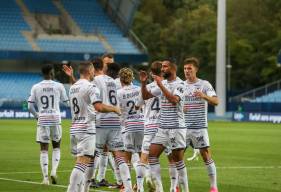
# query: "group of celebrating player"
x,y
109,113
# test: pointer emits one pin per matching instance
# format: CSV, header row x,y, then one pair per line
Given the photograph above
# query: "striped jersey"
x,y
171,116
83,94
47,95
131,119
197,108
151,111
108,94
118,83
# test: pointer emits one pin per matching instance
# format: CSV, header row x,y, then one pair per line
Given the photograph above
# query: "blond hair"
x,y
126,75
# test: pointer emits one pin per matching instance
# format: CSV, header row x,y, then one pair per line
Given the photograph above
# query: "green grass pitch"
x,y
247,156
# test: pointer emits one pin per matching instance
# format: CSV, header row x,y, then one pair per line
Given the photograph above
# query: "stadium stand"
x,y
70,46
20,38
274,97
17,86
44,6
11,26
91,18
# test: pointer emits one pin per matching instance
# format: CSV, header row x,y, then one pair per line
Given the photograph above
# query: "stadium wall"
x,y
23,113
257,117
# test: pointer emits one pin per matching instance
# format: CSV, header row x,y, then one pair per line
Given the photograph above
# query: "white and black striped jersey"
x,y
171,115
197,108
47,95
83,94
131,119
108,94
151,111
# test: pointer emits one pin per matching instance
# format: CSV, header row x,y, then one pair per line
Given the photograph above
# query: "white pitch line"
x,y
31,172
37,183
164,168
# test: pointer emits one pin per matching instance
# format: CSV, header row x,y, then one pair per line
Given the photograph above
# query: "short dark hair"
x,y
172,63
46,69
109,55
192,60
113,70
156,67
84,67
98,64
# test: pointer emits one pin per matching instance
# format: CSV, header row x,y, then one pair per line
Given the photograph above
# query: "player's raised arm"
x,y
143,79
68,70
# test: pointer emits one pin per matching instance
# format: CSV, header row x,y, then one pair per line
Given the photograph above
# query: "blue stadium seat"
x,y
44,6
91,18
274,97
70,46
11,25
17,85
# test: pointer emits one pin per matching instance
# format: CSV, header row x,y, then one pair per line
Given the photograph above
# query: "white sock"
x,y
125,173
156,172
147,171
96,164
135,159
115,169
44,159
55,161
88,175
77,178
140,173
102,166
173,176
183,180
212,172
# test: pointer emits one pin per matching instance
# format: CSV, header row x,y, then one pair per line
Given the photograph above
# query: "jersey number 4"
x,y
155,104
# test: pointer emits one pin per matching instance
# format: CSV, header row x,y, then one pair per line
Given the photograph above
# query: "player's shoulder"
x,y
58,84
136,87
204,82
36,85
179,80
121,91
151,85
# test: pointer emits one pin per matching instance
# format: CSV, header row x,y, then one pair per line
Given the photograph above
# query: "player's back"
x,y
47,95
152,107
151,111
83,94
108,93
133,119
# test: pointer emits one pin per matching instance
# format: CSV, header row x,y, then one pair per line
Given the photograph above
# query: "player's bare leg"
x,y
211,168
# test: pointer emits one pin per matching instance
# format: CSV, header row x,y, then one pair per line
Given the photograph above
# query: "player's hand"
x,y
143,76
157,79
117,111
67,70
199,94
